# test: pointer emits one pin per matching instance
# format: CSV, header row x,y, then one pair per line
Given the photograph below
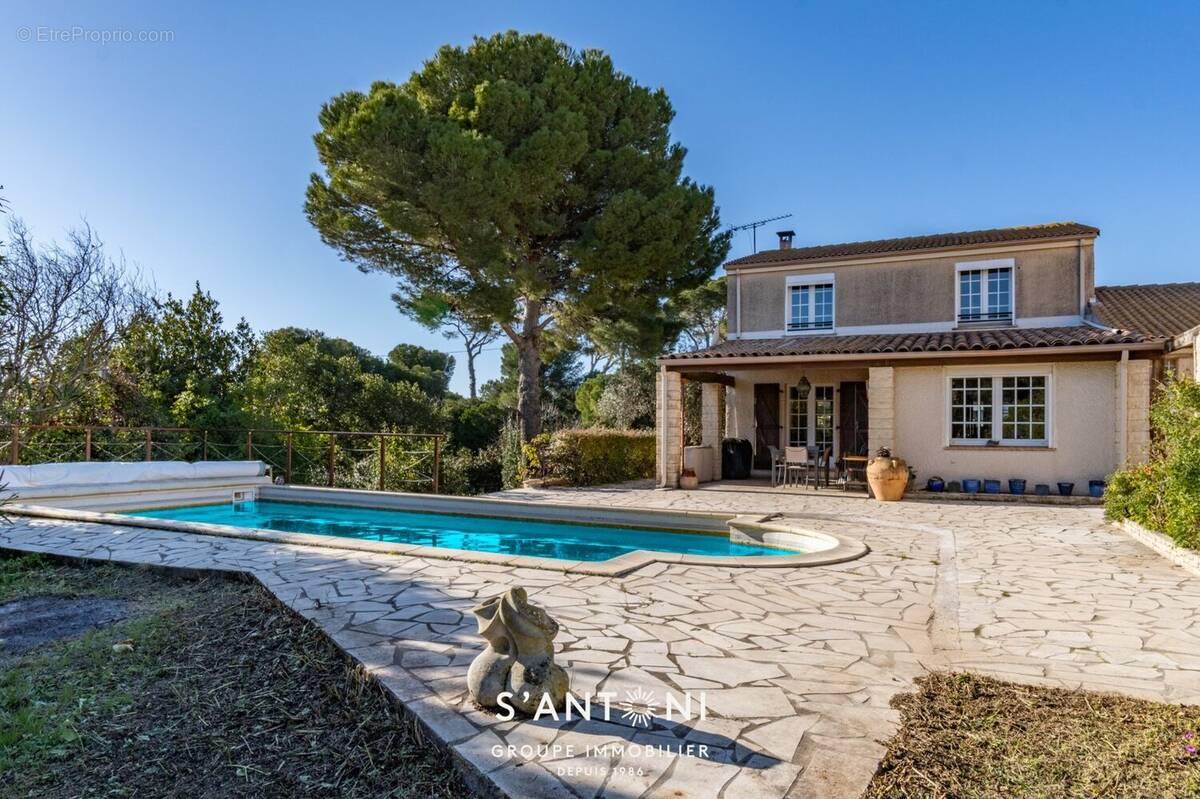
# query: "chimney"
x,y
785,238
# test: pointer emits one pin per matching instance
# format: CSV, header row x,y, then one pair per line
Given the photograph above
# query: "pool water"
x,y
478,533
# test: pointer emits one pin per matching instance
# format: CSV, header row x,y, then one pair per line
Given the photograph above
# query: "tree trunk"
x,y
529,368
471,370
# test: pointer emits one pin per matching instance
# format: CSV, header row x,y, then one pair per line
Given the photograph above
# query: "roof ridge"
x,y
925,241
1150,285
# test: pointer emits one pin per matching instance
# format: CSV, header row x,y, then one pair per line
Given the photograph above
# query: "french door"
x,y
812,417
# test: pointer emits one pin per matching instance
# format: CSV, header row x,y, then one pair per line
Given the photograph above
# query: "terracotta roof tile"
x,y
956,340
1162,309
936,241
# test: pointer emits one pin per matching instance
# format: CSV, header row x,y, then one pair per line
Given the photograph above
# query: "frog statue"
x,y
519,658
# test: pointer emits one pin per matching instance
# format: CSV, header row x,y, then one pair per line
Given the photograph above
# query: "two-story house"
x,y
987,354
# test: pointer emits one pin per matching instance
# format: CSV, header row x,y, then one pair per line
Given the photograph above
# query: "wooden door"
x,y
767,425
852,437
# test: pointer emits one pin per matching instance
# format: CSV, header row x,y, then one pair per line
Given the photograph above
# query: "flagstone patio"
x,y
797,666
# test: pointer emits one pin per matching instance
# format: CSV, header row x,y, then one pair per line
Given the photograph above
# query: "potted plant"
x,y
1096,488
935,484
1016,486
971,486
991,486
1065,489
688,480
887,476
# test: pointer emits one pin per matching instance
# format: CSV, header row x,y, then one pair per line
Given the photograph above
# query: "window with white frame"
x,y
810,303
1011,409
811,420
798,415
985,293
823,418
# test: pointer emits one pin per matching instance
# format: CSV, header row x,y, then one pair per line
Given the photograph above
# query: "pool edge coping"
x,y
843,549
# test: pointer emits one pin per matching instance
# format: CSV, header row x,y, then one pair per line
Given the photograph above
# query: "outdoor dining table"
x,y
854,466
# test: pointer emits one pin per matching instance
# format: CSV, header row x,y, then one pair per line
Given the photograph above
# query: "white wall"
x,y
1084,417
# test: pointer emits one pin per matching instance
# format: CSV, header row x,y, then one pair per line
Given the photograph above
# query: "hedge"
x,y
597,456
1164,494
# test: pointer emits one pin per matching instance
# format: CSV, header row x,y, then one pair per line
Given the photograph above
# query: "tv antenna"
x,y
754,226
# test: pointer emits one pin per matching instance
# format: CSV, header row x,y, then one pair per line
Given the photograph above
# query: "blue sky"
x,y
864,120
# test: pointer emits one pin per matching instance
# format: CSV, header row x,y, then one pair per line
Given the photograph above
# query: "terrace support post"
x,y
288,477
87,443
249,445
332,444
710,425
1138,388
14,446
669,427
881,407
149,444
381,462
437,464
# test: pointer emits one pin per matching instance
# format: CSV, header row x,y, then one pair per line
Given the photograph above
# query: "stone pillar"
x,y
731,423
669,426
881,408
1137,410
710,425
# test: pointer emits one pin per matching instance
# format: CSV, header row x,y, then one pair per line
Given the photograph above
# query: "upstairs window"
x,y
810,304
985,293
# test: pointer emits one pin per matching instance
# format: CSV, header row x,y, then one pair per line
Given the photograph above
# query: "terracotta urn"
x,y
887,476
688,480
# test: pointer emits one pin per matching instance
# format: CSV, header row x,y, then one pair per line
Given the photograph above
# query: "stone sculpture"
x,y
519,658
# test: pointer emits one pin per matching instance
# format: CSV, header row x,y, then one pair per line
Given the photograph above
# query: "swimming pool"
x,y
541,539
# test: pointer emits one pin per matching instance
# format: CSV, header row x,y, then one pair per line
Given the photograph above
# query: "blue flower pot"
x,y
1042,489
991,486
970,486
1096,488
1065,489
1016,487
935,485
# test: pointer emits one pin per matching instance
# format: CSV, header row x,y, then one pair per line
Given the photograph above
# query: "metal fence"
x,y
334,458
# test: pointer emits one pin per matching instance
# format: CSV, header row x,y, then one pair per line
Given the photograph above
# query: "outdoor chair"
x,y
796,463
777,465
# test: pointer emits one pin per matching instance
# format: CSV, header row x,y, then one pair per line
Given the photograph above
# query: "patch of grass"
x,y
32,574
223,693
965,736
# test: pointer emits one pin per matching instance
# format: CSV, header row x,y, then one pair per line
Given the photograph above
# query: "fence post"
x,y
249,445
204,451
14,447
332,443
437,463
87,443
149,445
288,477
381,461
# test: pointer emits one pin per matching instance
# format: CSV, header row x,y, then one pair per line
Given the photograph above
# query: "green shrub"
x,y
1164,494
472,423
466,473
597,456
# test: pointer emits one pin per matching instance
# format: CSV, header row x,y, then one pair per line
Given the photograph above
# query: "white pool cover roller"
x,y
47,475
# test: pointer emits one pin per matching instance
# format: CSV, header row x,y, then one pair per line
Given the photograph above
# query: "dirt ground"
x,y
965,736
132,683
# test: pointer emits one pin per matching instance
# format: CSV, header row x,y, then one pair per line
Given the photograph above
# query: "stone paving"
x,y
796,666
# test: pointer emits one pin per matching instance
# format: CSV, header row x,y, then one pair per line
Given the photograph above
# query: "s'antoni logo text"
x,y
638,707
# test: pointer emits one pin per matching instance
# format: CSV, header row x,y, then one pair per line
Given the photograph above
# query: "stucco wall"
x,y
915,292
1084,447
